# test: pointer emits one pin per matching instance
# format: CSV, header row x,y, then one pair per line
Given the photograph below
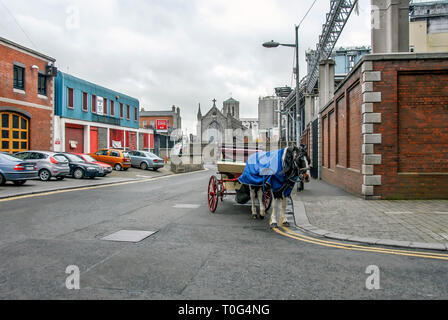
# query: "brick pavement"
x,y
331,209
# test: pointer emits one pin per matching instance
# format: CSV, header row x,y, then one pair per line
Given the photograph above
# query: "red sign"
x,y
162,124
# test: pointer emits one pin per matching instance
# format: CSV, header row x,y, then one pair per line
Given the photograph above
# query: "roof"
x,y
231,100
28,50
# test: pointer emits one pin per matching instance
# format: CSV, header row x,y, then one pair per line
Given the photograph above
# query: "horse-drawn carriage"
x,y
268,176
229,172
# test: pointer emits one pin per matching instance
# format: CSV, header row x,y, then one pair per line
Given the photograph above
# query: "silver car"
x,y
146,160
49,164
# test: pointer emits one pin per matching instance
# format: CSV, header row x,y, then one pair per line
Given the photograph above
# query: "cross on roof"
x,y
214,102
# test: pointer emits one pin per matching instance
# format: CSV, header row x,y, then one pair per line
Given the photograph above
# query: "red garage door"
x,y
93,139
74,138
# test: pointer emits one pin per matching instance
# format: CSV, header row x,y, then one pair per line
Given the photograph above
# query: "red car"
x,y
107,169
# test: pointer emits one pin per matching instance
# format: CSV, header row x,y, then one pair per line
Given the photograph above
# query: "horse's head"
x,y
295,162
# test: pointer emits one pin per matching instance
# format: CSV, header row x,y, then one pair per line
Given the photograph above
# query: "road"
x,y
193,255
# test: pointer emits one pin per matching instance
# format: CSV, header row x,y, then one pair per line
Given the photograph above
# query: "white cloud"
x,y
178,52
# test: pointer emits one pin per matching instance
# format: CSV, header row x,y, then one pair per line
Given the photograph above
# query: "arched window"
x,y
14,129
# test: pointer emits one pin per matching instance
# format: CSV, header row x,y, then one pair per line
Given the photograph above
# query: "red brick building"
x,y
148,119
26,98
384,135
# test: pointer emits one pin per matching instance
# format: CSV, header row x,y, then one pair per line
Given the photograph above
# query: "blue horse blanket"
x,y
265,169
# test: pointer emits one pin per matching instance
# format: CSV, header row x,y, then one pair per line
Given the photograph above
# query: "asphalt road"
x,y
193,255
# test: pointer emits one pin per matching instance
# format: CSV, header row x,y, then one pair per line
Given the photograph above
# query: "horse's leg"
x,y
283,213
260,200
252,199
274,223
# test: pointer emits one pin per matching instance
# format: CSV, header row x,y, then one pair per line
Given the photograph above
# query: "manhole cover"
x,y
129,236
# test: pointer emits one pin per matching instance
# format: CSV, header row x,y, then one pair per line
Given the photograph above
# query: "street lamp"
x,y
274,44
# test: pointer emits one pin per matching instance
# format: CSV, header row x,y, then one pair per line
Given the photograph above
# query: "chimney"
x,y
326,81
390,26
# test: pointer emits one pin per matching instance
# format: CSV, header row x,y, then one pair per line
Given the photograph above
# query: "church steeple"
x,y
199,113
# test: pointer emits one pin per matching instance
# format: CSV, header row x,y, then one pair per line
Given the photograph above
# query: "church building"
x,y
213,125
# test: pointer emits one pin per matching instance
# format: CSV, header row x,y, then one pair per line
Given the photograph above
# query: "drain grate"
x,y
134,236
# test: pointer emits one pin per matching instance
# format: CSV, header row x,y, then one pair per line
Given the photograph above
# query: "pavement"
x,y
328,211
36,186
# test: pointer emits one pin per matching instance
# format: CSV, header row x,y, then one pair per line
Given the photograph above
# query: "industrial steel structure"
x,y
340,11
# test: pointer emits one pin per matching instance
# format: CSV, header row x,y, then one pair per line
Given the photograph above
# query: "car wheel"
x,y
144,166
60,178
118,167
78,173
44,175
19,182
2,180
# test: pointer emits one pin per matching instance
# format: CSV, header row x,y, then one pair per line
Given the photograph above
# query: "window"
x,y
145,123
41,84
85,106
14,132
135,114
115,154
93,103
121,110
70,98
151,123
19,78
102,152
112,108
128,112
105,106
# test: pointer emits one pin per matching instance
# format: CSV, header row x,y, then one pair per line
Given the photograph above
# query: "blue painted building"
x,y
89,117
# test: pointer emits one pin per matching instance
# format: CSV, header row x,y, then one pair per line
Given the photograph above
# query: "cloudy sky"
x,y
176,52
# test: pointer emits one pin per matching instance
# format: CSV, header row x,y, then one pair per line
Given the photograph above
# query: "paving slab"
x,y
328,211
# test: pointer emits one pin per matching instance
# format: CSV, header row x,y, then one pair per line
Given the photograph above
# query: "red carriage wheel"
x,y
267,200
213,194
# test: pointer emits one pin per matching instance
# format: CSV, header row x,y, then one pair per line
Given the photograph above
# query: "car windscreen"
x,y
88,158
151,155
60,158
74,158
10,157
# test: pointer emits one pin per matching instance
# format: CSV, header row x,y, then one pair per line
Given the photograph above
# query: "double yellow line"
x,y
287,232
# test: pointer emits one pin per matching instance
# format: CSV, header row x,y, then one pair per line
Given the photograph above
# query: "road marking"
x,y
398,212
187,206
97,187
284,231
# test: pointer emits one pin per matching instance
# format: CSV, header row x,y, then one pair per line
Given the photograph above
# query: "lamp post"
x,y
273,44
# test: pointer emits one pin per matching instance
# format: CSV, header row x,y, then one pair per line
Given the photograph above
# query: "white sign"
x,y
100,105
116,144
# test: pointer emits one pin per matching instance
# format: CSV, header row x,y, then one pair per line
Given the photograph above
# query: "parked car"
x,y
80,169
48,164
119,160
107,169
146,160
16,170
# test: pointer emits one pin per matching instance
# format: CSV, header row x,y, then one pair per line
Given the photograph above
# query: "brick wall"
x,y
389,132
39,109
414,128
341,137
149,119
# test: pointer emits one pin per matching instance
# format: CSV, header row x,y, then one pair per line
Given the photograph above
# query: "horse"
x,y
278,172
